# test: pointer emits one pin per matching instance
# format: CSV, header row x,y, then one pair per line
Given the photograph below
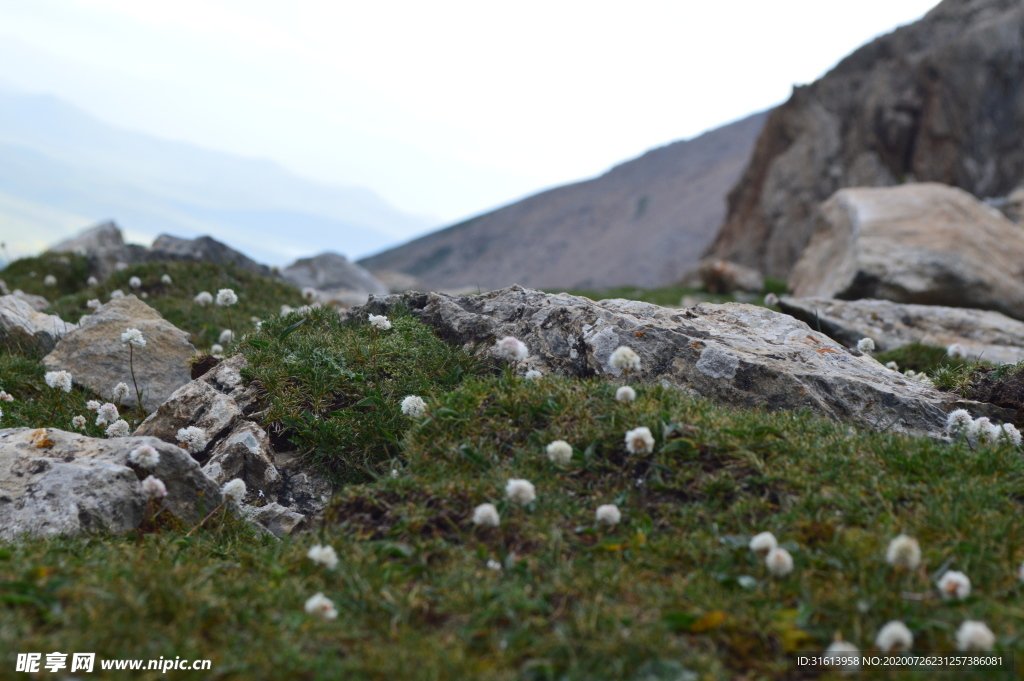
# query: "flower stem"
x,y
219,506
131,366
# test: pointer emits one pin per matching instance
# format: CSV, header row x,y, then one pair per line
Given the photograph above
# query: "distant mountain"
x,y
938,100
643,223
61,169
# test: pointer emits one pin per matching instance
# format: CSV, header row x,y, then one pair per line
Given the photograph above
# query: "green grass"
x,y
672,588
28,274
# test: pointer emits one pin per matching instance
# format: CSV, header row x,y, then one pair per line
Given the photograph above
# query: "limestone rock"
x,y
301,490
734,354
981,334
105,235
334,278
927,244
932,101
97,359
24,324
203,249
37,303
244,453
54,482
1014,207
279,520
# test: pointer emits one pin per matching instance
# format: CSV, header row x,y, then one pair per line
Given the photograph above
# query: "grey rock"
x,y
1014,206
932,101
22,323
37,303
106,235
721,276
927,244
279,520
244,453
302,490
980,334
54,482
97,359
203,249
735,354
332,275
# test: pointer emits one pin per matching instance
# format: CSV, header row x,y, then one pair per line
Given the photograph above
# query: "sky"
x,y
445,108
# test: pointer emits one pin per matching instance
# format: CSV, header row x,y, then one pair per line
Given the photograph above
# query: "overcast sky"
x,y
445,108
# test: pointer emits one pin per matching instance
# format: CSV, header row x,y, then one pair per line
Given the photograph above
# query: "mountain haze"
x,y
61,169
644,222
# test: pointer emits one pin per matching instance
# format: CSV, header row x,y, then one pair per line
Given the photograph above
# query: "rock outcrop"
x,y
735,354
333,278
980,334
203,249
937,101
642,223
54,482
22,323
97,359
927,244
220,403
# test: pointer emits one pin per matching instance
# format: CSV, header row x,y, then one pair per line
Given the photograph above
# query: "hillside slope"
x,y
939,100
642,223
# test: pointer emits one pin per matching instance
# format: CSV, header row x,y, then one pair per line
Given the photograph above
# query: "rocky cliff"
x,y
938,100
644,222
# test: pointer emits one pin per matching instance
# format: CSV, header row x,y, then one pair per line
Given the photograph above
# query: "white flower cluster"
x,y
116,293
608,514
193,438
777,559
921,377
92,281
234,489
166,279
227,336
5,396
625,394
624,359
639,441
560,452
903,552
106,414
154,488
323,555
120,392
486,515
511,349
980,431
94,304
145,456
92,405
954,585
226,297
203,298
520,491
865,345
379,322
894,635
50,280
119,428
216,349
321,606
414,406
133,337
78,422
533,375
135,282
59,380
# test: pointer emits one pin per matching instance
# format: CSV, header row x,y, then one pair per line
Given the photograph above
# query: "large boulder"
x,y
927,244
105,247
54,482
203,249
934,101
980,334
736,354
333,278
97,359
22,323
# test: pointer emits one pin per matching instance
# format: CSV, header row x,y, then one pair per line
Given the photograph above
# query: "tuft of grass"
x,y
920,357
258,296
70,270
333,387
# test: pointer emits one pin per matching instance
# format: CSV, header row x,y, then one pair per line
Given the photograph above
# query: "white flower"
x,y
50,280
904,552
92,405
309,293
145,456
763,542
414,406
779,562
121,266
394,472
106,414
91,281
321,606
520,491
608,514
493,565
120,391
286,309
511,349
625,394
193,438
771,300
78,422
958,421
227,336
216,349
842,655
894,636
974,635
94,304
324,555
865,345
203,298
487,515
234,489
154,487
116,293
956,351
1011,434
983,432
135,282
5,396
533,375
892,365
955,584
379,321
166,279
639,440
624,358
226,297
119,428
59,380
133,337
560,452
